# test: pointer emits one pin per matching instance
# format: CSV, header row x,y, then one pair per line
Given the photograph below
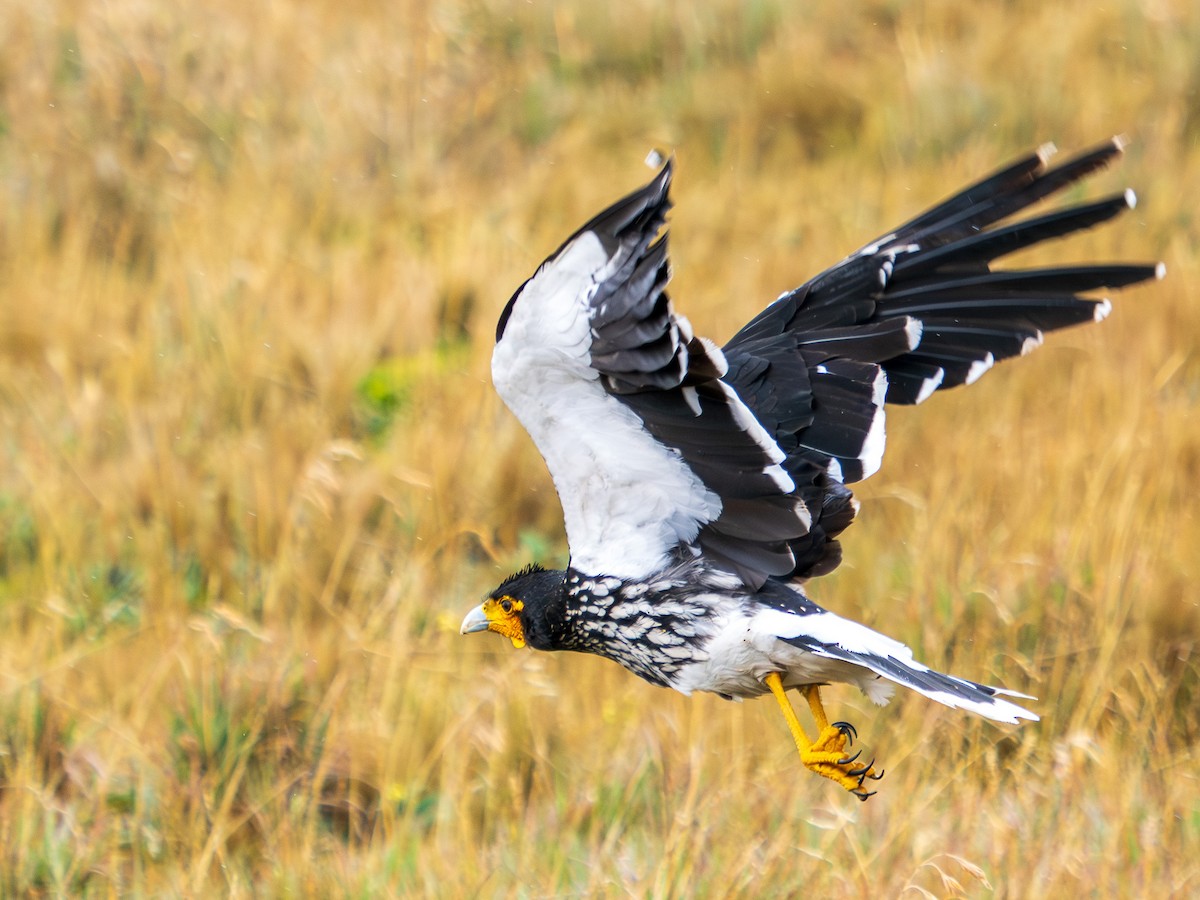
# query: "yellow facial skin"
x,y
500,615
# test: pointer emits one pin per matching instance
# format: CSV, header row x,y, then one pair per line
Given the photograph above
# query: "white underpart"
x,y
627,499
749,647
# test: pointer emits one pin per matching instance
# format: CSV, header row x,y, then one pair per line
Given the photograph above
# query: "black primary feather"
x,y
923,306
790,411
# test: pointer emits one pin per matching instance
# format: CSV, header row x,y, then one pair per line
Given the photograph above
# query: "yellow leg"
x,y
827,754
775,683
812,694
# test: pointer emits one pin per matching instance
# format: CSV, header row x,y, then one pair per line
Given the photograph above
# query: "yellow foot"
x,y
827,755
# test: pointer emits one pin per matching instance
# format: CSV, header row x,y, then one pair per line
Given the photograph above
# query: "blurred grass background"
x,y
252,472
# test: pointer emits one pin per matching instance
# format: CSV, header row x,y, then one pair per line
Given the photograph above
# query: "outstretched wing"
x,y
917,311
663,446
653,455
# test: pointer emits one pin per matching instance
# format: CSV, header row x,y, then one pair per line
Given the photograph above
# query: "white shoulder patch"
x,y
627,499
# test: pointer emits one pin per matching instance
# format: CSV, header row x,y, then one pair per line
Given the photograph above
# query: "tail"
x,y
949,690
828,635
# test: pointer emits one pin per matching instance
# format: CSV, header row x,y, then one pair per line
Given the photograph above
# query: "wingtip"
x,y
1112,150
665,163
1114,146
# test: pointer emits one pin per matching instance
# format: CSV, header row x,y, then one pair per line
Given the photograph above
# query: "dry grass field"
x,y
252,471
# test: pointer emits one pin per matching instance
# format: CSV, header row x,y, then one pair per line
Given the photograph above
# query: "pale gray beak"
x,y
475,621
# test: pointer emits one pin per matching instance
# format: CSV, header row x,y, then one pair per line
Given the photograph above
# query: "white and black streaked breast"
x,y
659,629
652,628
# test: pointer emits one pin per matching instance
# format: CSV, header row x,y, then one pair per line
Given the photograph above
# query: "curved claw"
x,y
877,776
849,759
847,729
861,773
864,796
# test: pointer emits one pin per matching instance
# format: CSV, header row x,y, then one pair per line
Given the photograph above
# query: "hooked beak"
x,y
475,621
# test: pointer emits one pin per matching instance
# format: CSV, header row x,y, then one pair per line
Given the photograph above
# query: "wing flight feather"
x,y
663,445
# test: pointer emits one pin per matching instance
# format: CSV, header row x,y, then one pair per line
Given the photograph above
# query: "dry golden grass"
x,y
252,472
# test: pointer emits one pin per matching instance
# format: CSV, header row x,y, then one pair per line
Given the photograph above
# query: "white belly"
x,y
748,648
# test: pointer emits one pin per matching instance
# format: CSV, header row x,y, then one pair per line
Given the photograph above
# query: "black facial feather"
x,y
517,577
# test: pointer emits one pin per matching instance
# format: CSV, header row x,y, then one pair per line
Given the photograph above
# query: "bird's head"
x,y
521,608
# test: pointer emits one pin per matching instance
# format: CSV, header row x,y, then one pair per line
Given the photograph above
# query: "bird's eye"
x,y
506,605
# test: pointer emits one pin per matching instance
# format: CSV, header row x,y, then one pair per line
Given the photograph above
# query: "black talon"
x,y
847,729
877,777
863,771
849,759
863,797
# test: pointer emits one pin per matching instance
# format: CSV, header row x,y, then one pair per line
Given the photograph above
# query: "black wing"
x,y
916,311
654,457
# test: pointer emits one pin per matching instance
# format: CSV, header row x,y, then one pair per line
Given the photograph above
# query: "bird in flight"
x,y
702,486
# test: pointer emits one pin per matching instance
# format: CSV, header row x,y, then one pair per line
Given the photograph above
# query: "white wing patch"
x,y
628,500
